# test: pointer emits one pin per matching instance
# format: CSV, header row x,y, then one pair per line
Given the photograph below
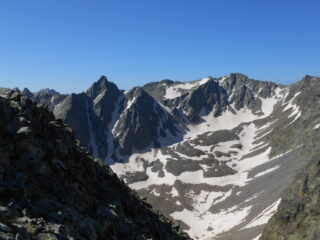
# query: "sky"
x,y
67,45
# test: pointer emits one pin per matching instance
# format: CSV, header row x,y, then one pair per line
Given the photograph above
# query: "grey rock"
x,y
58,164
135,177
177,167
23,220
24,130
47,236
5,228
6,236
5,211
19,237
107,212
137,127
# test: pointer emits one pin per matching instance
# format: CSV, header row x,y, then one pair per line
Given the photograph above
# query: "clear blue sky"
x,y
68,44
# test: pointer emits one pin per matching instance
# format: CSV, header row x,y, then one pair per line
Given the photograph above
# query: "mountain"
x,y
51,188
215,154
113,123
48,97
298,215
225,178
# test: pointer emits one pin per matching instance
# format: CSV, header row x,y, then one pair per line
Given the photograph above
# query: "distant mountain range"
x,y
215,154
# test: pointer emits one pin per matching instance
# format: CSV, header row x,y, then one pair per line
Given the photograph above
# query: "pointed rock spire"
x,y
101,85
26,92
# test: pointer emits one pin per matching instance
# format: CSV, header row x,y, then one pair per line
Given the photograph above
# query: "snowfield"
x,y
176,90
245,174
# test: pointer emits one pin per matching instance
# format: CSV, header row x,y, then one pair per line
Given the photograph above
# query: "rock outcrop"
x,y
298,215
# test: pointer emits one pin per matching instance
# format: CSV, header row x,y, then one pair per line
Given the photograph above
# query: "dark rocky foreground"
x,y
51,188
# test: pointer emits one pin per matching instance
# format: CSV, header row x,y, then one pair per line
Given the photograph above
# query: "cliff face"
x,y
51,188
298,215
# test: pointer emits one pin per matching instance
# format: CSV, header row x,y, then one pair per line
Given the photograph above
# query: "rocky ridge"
x,y
105,113
298,215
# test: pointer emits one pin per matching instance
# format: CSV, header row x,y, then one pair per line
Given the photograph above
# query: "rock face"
x,y
4,91
51,188
211,95
114,123
298,215
142,123
90,113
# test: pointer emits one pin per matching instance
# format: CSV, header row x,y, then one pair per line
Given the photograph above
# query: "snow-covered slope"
x,y
220,180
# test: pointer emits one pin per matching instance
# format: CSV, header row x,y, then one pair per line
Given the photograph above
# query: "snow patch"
x,y
174,192
269,103
217,222
177,89
295,109
257,237
316,126
264,216
99,97
267,171
130,103
227,120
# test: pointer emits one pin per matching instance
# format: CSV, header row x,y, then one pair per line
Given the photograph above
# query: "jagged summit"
x,y
100,86
169,81
104,111
307,77
237,75
142,123
47,91
27,92
137,92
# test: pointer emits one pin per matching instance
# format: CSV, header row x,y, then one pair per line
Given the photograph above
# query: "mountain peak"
x,y
167,81
103,79
307,77
27,93
140,94
238,76
101,85
46,91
